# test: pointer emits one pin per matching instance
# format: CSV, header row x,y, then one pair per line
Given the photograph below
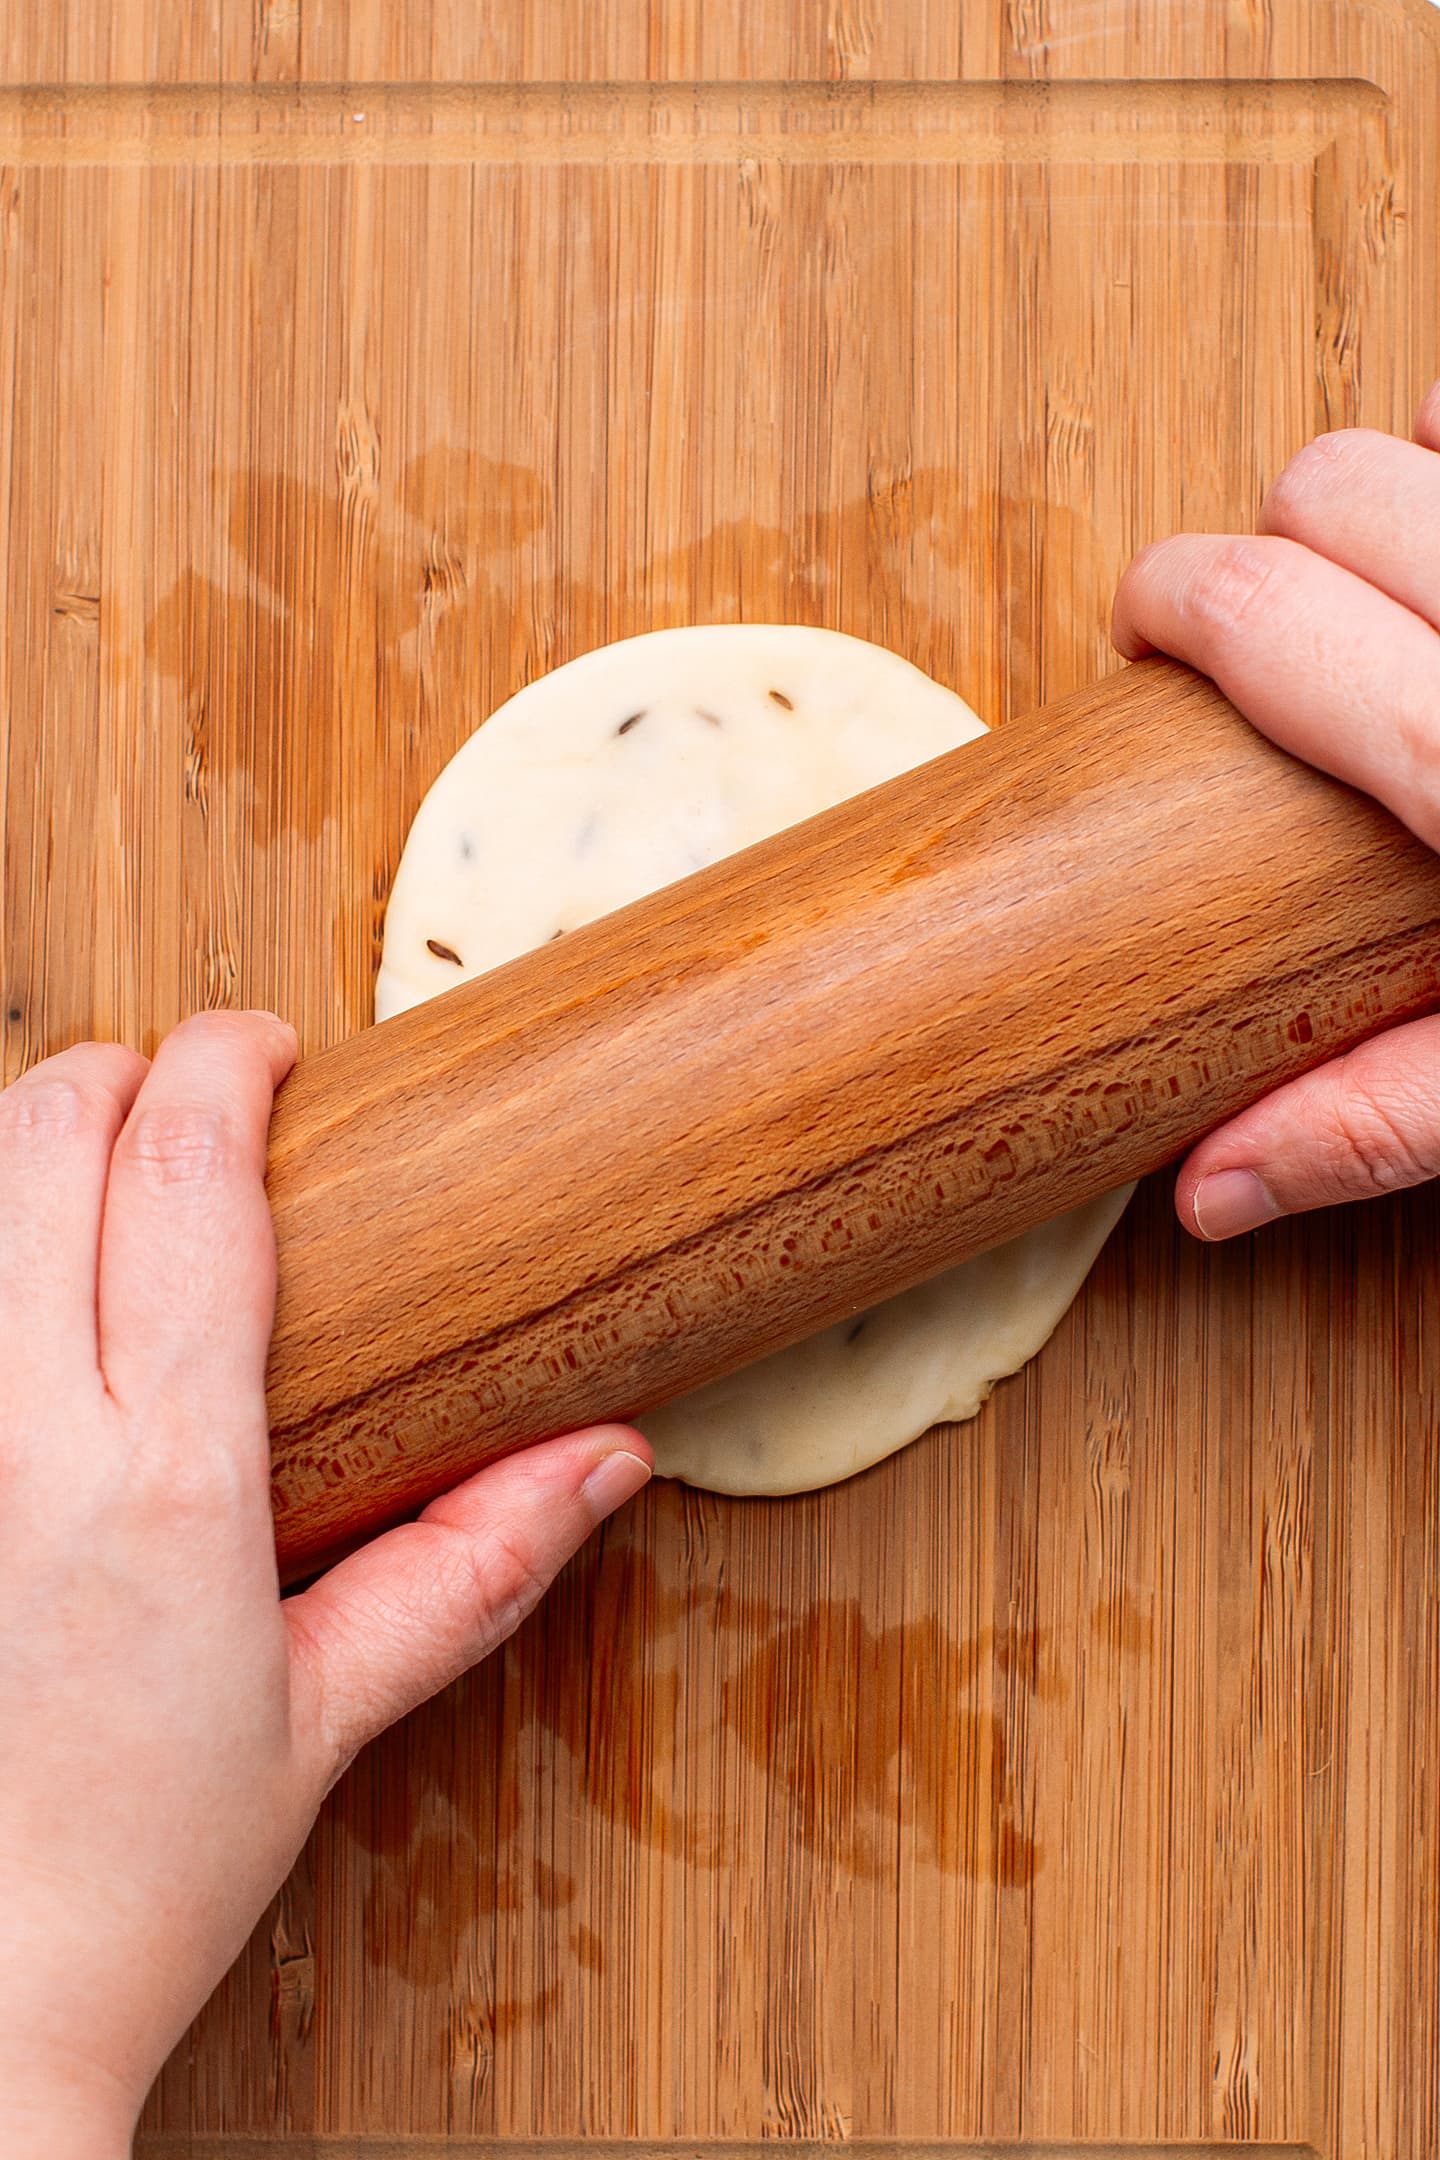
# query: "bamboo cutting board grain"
x,y
1070,1777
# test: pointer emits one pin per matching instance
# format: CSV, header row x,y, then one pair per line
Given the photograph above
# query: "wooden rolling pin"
x,y
808,1077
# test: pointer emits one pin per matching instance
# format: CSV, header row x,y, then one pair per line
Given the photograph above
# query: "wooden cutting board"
x,y
1074,1775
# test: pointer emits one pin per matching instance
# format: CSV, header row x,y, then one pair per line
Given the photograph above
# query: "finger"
x,y
1427,420
400,1619
1320,661
187,1260
1367,1123
58,1124
1370,503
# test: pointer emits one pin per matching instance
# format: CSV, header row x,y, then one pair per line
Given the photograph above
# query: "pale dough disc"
x,y
630,768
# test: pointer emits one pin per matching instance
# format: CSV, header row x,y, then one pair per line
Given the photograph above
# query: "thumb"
x,y
397,1621
1368,1123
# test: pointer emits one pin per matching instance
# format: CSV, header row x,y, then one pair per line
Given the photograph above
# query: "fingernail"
x,y
1229,1202
614,1481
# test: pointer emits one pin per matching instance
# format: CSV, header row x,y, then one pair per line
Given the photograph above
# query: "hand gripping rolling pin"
x,y
808,1077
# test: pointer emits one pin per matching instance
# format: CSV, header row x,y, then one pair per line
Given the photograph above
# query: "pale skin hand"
x,y
169,1726
1325,631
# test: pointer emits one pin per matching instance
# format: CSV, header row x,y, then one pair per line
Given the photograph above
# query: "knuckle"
x,y
184,1472
502,1582
1234,583
189,1144
45,1106
1377,1134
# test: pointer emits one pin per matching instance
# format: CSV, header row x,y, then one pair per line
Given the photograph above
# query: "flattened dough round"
x,y
619,773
